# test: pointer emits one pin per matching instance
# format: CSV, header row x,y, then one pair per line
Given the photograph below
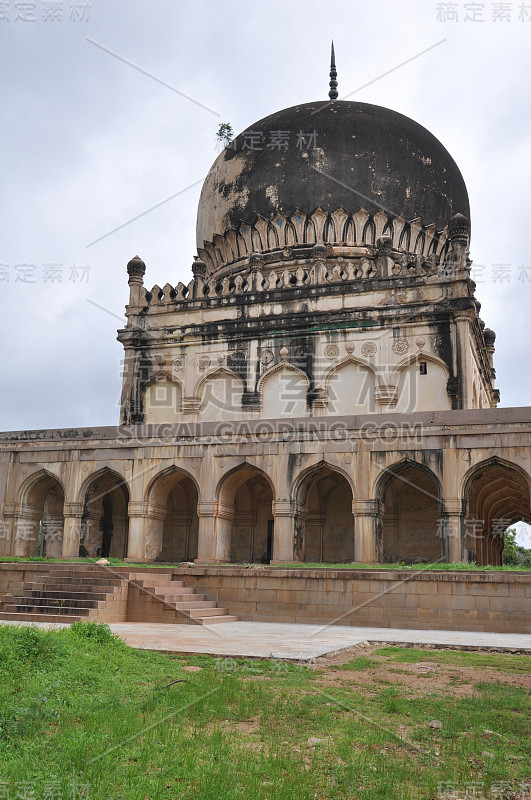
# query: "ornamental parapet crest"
x,y
283,236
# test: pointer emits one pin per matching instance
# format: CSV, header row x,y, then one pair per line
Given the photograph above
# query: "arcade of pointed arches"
x,y
412,523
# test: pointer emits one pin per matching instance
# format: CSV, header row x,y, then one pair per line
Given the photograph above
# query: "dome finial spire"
x,y
332,94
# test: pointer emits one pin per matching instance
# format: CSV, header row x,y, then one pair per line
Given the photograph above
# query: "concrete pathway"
x,y
290,641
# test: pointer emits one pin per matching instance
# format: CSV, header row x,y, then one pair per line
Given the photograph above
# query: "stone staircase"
x,y
156,598
63,594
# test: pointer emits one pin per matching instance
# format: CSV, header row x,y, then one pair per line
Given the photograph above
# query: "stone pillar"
x,y
90,532
73,513
199,271
154,531
26,529
319,262
367,514
224,523
455,539
138,516
119,535
136,270
465,360
215,532
6,531
452,530
284,513
206,533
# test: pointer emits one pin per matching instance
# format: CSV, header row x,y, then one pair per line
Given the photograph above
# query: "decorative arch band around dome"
x,y
284,237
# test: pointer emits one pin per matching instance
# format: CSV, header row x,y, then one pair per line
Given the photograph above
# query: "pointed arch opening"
x,y
173,521
409,498
325,523
496,496
105,521
245,516
39,523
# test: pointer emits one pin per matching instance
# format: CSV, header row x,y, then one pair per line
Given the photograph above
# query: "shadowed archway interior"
x,y
247,499
40,523
173,518
411,521
325,530
105,522
496,497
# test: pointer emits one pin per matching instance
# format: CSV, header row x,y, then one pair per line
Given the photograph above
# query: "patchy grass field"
x,y
82,712
464,566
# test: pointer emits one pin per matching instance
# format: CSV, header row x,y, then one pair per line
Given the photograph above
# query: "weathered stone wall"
x,y
469,601
452,448
498,602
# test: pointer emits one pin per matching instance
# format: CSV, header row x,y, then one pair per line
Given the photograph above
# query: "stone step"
x,y
68,602
212,611
101,574
34,611
152,587
67,566
145,576
193,605
66,591
171,599
41,594
73,607
75,574
216,620
21,617
70,581
174,589
75,587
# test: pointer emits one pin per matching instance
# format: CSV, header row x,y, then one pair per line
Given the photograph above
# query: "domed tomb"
x,y
327,156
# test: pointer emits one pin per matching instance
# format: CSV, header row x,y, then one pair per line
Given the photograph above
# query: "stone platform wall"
x,y
474,601
498,602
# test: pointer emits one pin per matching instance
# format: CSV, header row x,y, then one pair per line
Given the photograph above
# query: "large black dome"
x,y
364,156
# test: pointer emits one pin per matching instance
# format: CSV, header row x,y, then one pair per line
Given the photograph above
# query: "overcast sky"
x,y
90,142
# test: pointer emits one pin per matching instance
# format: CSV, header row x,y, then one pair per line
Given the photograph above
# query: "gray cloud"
x,y
88,143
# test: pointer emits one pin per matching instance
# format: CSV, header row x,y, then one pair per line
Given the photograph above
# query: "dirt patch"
x,y
244,726
422,677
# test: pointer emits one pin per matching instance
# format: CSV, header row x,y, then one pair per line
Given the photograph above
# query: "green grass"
x,y
498,661
115,562
79,706
359,664
463,566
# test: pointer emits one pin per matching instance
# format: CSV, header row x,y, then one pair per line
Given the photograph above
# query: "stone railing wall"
x,y
316,271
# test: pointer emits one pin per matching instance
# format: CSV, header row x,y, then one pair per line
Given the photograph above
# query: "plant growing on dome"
x,y
225,133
